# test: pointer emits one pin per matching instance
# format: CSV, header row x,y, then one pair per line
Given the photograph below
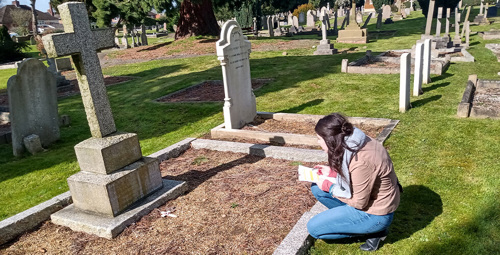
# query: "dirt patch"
x,y
207,91
236,204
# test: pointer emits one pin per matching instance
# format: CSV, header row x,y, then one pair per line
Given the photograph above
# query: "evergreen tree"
x,y
10,50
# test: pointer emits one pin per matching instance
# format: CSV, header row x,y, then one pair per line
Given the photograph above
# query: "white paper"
x,y
307,174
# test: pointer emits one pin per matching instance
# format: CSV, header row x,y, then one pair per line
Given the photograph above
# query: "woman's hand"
x,y
325,170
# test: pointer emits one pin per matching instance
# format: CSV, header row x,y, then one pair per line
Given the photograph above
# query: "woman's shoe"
x,y
373,242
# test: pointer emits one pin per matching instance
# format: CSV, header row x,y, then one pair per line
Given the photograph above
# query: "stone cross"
x,y
426,74
352,17
438,21
447,25
430,13
233,52
404,82
82,44
323,16
417,77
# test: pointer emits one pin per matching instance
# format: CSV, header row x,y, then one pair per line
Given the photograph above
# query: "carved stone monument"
x,y
115,179
233,52
324,47
353,33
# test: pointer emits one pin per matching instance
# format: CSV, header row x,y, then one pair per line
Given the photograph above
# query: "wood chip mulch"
x,y
236,204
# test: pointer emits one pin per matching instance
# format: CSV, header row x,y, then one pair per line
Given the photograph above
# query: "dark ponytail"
x,y
333,129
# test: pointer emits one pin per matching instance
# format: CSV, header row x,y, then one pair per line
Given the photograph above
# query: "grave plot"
x,y
481,99
207,91
235,203
490,35
457,54
495,49
388,63
296,130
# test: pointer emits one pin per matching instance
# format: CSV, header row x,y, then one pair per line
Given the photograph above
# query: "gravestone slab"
x,y
404,82
33,104
386,12
233,52
310,19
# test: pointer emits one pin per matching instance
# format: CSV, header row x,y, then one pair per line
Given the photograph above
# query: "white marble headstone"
x,y
233,51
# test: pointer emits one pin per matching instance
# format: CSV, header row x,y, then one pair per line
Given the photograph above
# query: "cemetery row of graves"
x,y
234,188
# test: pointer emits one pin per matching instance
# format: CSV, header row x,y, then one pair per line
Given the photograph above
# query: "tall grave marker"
x,y
233,52
404,83
114,176
419,64
324,47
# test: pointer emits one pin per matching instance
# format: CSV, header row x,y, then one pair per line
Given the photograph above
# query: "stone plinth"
x,y
105,155
110,194
325,48
353,34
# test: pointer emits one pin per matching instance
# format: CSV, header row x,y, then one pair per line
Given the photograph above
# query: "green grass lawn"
x,y
447,166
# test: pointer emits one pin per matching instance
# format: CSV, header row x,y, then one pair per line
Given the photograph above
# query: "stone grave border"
x,y
173,94
493,49
438,65
220,132
466,108
490,35
297,240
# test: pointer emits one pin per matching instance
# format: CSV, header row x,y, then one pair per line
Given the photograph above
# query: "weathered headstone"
x,y
174,27
33,104
114,175
295,21
324,47
419,64
125,42
379,20
233,51
466,20
144,38
124,30
60,79
165,26
310,19
302,18
404,82
359,18
430,13
438,21
456,38
426,74
290,19
447,25
341,12
132,35
386,12
270,26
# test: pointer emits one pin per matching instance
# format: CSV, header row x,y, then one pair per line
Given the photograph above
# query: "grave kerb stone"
x,y
233,52
419,64
404,82
82,43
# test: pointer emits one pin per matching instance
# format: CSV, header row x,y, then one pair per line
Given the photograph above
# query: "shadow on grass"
x,y
156,46
424,101
435,86
419,206
303,106
441,77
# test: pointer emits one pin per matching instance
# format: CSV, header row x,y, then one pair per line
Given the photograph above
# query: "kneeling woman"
x,y
365,192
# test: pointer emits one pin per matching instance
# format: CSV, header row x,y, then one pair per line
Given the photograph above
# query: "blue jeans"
x,y
342,220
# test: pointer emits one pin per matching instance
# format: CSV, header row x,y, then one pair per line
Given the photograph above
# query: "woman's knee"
x,y
313,226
